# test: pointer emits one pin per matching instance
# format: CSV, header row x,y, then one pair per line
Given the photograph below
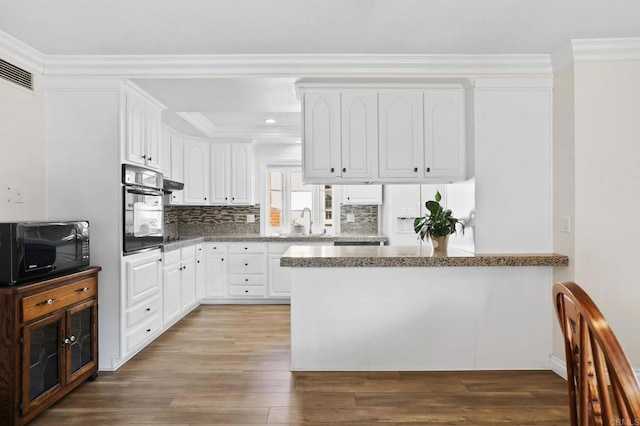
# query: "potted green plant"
x,y
437,224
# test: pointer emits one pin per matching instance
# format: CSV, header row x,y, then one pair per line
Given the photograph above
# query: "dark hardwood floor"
x,y
230,365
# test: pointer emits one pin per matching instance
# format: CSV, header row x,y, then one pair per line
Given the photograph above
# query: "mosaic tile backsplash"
x,y
366,220
232,220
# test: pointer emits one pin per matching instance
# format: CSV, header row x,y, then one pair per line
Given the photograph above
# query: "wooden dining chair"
x,y
603,389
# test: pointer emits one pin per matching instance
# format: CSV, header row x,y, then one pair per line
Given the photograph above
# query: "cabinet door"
x,y
136,118
196,172
362,194
188,291
359,134
220,173
279,278
82,332
401,134
444,133
43,353
201,277
171,293
321,143
165,154
216,281
177,159
241,165
152,135
143,278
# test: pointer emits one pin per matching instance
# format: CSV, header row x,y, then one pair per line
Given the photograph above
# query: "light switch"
x,y
251,218
566,224
351,217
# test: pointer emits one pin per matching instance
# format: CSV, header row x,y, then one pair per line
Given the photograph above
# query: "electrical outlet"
x,y
351,217
566,224
251,218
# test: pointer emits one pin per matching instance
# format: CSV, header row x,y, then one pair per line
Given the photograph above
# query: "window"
x,y
288,197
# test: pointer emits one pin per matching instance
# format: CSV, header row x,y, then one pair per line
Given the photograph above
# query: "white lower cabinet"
x,y
247,269
216,261
188,288
142,308
201,272
279,277
171,287
179,284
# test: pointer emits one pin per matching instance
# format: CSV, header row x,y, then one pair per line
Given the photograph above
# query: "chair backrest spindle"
x,y
596,365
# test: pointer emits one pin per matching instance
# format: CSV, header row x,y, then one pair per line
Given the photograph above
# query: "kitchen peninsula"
x,y
402,308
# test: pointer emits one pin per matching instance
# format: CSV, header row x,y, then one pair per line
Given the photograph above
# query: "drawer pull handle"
x,y
246,264
148,309
246,280
72,338
82,290
46,302
246,291
148,330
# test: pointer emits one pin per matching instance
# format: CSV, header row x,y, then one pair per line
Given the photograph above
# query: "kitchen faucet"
x,y
307,209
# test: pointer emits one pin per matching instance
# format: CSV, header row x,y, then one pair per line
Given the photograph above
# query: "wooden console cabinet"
x,y
48,342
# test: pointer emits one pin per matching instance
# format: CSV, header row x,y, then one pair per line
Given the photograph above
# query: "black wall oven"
x,y
143,226
36,250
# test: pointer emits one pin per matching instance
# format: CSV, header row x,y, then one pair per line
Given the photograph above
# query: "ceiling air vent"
x,y
16,75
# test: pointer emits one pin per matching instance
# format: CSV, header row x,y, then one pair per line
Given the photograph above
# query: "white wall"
x,y
607,194
563,184
22,163
513,131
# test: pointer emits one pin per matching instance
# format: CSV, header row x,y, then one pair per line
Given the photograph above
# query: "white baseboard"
x,y
558,366
244,301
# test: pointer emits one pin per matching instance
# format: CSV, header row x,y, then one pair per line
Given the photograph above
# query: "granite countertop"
x,y
255,238
408,256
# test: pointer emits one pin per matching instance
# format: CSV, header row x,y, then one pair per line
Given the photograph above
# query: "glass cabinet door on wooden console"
x,y
58,350
53,329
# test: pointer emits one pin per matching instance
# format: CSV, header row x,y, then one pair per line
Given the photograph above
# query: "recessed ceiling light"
x,y
270,121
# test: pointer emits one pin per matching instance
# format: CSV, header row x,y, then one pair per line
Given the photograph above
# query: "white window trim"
x,y
316,216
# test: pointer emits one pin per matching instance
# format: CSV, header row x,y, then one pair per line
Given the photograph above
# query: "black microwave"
x,y
35,250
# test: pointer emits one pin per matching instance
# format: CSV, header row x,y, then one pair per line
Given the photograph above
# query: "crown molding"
x,y
20,54
596,50
294,65
606,49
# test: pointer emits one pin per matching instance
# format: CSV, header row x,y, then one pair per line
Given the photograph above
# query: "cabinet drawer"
x,y
172,256
218,248
255,279
187,252
145,332
246,291
247,248
49,301
246,264
145,310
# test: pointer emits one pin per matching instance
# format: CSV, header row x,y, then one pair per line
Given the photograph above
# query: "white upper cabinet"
x,y
321,128
444,133
241,168
383,133
196,172
220,173
165,147
361,194
231,173
359,142
143,124
401,134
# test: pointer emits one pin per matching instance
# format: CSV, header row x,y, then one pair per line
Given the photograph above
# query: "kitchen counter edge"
x,y
188,241
387,256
